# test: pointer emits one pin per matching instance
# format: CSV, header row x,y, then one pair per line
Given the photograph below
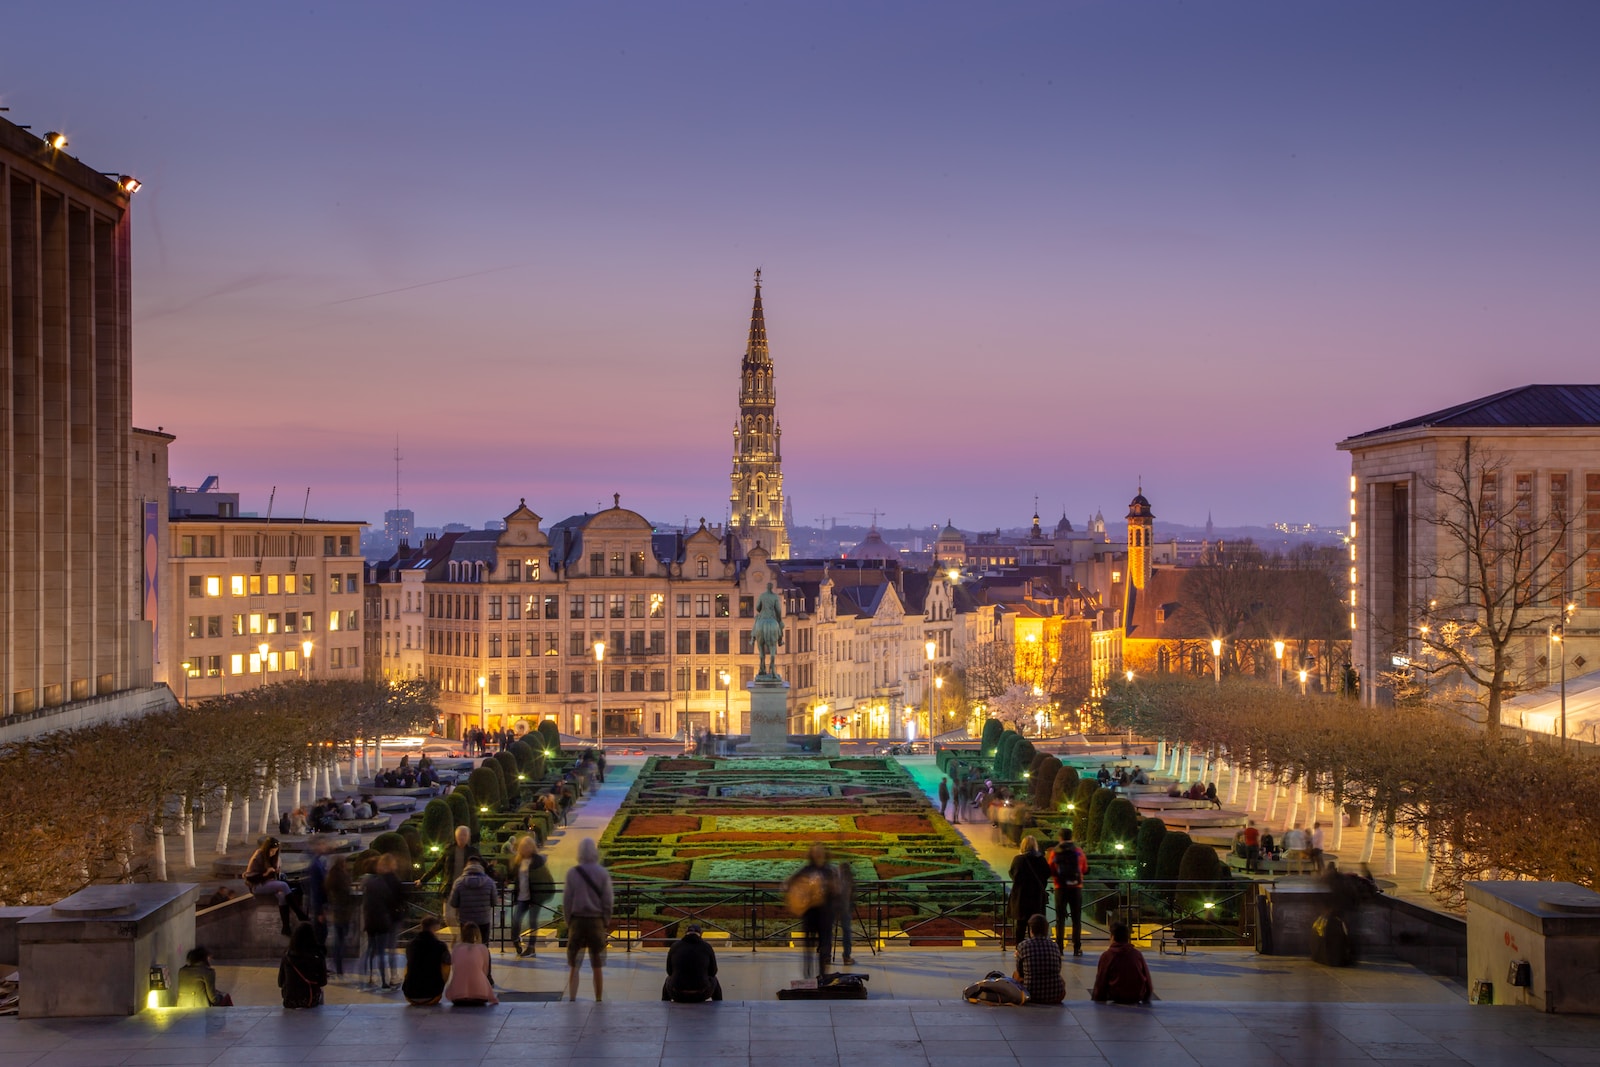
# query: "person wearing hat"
x,y
691,970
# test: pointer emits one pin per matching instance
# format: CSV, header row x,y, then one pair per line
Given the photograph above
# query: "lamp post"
x,y
727,690
1216,658
600,692
1303,673
305,656
931,648
187,666
262,648
938,695
1558,637
1277,651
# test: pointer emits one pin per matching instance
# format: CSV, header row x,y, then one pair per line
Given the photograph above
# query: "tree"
x,y
1499,569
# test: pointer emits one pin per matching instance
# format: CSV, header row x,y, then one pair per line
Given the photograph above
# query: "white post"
x,y
356,752
188,836
299,778
1294,808
1338,826
1188,763
1371,839
1233,786
1389,866
266,807
1161,754
1272,808
1255,791
160,843
225,823
244,814
1426,884
377,749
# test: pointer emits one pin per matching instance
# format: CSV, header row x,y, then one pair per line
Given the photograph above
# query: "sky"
x,y
1008,250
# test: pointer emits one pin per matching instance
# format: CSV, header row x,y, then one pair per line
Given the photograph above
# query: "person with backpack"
x,y
1068,865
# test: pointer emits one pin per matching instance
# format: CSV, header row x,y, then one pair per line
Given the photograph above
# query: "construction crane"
x,y
875,513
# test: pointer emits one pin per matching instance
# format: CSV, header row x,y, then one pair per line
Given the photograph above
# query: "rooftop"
x,y
1524,406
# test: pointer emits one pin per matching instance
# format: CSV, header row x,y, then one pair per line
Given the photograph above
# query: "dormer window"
x,y
702,567
530,570
513,570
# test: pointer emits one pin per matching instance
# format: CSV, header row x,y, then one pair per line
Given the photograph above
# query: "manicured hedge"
x,y
551,736
438,823
1066,784
990,736
1099,801
1147,844
1120,824
1170,855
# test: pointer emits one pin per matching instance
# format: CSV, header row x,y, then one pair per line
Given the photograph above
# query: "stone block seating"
x,y
1269,868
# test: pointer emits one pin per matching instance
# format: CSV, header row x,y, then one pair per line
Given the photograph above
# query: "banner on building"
x,y
152,574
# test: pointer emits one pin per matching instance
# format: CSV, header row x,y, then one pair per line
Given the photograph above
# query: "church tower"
x,y
1141,523
756,502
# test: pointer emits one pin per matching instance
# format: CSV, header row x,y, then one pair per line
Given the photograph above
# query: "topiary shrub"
x,y
485,785
1080,806
1099,801
1199,863
523,753
364,863
990,737
464,806
438,823
1066,784
1147,844
1045,769
1022,756
551,736
1002,754
395,845
413,839
1170,854
1119,825
509,771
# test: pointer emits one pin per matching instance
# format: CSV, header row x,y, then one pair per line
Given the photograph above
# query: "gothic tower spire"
x,y
756,509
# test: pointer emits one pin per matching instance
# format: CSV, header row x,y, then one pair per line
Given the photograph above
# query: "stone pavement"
x,y
929,1033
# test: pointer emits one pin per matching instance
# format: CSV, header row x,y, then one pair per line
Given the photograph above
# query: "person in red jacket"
x,y
1122,977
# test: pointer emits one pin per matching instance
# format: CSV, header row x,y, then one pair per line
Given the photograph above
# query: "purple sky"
x,y
1008,249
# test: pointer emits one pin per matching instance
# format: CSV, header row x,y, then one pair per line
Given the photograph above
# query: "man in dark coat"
x,y
691,970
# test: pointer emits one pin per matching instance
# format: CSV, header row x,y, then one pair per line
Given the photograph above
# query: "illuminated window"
x,y
272,624
289,621
291,660
237,664
255,663
272,661
213,585
255,585
272,585
530,572
255,622
658,605
238,626
333,622
289,584
308,621
236,585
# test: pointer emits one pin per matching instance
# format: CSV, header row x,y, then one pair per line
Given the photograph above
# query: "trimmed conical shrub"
x,y
1170,855
1120,825
1147,843
1066,785
990,736
1098,803
551,736
438,823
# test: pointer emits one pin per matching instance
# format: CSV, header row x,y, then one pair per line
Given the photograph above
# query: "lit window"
x,y
658,605
272,624
255,623
213,585
255,663
333,622
237,666
255,585
291,660
272,661
236,585
289,584
272,585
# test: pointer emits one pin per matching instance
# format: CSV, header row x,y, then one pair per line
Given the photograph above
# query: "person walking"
x,y
532,886
341,907
1030,881
587,902
382,903
809,894
1068,865
944,795
844,903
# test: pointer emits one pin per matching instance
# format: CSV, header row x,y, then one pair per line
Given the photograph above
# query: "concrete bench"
x,y
1283,866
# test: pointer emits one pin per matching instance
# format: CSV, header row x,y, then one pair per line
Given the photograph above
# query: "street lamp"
x,y
1303,673
600,692
931,648
1558,636
305,655
187,666
1277,651
262,648
727,690
1216,658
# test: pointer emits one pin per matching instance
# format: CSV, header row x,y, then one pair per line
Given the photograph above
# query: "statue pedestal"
x,y
769,718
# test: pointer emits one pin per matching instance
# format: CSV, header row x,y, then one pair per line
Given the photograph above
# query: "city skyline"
x,y
1030,251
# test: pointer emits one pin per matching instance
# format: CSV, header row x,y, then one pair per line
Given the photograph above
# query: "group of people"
x,y
1121,975
1298,843
1206,791
405,776
325,815
971,797
1122,776
476,741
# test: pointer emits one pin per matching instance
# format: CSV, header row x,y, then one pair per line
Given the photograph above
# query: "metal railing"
x,y
888,914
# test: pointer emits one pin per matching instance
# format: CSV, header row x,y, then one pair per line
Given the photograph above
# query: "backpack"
x,y
994,988
1066,864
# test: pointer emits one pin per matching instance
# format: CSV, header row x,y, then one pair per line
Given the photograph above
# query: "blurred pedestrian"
x,y
531,887
844,903
587,902
382,905
809,895
944,795
303,971
1068,865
